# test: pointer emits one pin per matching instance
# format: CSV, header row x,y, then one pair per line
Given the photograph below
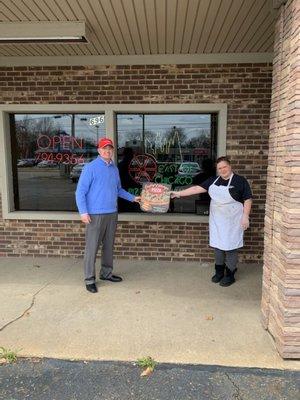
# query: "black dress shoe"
x,y
91,287
112,278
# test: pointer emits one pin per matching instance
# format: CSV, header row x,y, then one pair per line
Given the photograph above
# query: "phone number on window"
x,y
60,158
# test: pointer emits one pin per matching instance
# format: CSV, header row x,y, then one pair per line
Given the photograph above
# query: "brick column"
x,y
281,276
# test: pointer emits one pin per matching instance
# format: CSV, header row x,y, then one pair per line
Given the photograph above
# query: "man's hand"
x,y
85,218
245,222
137,199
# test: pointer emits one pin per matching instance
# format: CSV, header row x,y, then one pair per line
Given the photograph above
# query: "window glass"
x,y
49,152
177,149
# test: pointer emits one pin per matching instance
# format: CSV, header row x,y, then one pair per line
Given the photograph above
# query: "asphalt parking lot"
x,y
50,379
46,189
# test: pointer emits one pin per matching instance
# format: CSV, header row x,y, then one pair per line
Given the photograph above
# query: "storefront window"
x,y
48,154
176,149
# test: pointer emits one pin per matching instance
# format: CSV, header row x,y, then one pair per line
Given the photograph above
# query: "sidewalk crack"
x,y
27,309
236,395
33,300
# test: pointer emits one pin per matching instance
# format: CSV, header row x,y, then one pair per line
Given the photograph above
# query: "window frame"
x,y
13,138
110,111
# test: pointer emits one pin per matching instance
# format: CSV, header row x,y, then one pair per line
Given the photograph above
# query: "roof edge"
x,y
157,59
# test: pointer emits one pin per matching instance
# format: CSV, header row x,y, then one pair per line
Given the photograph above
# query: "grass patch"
x,y
7,355
147,363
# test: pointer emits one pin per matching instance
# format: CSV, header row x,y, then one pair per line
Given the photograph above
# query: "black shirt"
x,y
239,187
202,177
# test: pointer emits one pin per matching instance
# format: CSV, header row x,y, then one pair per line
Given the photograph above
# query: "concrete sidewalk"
x,y
170,311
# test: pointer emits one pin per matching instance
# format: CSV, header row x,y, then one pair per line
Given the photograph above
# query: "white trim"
x,y
98,108
110,124
157,59
6,172
109,110
31,31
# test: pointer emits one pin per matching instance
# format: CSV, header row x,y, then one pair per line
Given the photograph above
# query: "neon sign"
x,y
145,168
65,158
142,168
64,142
176,180
57,149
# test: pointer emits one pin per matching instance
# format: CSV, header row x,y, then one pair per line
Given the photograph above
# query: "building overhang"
x,y
137,32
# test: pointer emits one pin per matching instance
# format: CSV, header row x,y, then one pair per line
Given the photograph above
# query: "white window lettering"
x,y
97,120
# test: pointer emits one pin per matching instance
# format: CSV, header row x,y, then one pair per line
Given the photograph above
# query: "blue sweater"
x,y
99,187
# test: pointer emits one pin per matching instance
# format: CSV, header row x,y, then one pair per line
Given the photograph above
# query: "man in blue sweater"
x,y
97,193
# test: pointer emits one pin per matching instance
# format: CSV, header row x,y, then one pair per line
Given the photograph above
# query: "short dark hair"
x,y
223,158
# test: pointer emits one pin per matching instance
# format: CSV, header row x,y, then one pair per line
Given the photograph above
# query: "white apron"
x,y
225,216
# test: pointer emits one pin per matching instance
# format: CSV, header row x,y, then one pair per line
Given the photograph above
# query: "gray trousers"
x,y
101,230
231,257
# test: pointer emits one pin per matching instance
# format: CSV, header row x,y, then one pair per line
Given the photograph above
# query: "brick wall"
x,y
246,88
281,278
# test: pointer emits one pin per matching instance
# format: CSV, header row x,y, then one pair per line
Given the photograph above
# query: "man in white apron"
x,y
230,206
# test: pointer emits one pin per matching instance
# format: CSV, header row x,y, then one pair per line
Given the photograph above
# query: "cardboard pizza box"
x,y
155,197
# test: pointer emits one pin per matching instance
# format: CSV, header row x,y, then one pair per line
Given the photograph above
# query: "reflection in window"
x,y
177,149
49,152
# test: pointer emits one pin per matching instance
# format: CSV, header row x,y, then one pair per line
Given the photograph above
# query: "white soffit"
x,y
125,28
